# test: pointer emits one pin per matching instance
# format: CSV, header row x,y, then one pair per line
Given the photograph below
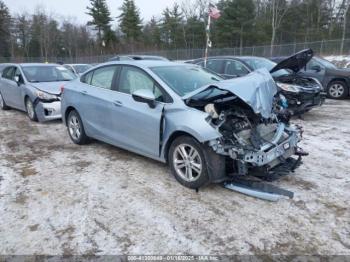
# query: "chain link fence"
x,y
322,48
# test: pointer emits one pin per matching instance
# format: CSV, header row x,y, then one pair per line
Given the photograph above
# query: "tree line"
x,y
181,26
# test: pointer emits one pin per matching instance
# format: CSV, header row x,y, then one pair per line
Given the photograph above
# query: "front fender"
x,y
189,121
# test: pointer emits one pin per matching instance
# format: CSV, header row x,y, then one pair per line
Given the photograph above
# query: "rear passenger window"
x,y
215,65
235,68
103,77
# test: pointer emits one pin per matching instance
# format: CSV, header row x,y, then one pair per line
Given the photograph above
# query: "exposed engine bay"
x,y
253,142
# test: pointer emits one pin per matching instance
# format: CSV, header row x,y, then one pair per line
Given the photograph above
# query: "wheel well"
x,y
25,98
338,80
171,140
68,110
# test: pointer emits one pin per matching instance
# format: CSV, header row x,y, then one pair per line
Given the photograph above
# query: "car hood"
x,y
295,62
53,88
256,89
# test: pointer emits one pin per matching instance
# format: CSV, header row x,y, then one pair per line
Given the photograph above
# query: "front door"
x,y
137,126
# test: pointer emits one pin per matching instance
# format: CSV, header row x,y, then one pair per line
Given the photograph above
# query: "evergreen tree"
x,y
5,23
235,23
130,21
101,18
151,34
173,31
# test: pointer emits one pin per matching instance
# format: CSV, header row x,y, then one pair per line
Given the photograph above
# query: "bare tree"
x,y
346,11
279,9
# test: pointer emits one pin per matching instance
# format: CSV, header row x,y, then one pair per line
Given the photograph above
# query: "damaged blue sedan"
x,y
207,129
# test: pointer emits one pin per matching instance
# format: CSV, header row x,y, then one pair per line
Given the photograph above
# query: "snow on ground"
x,y
339,60
59,198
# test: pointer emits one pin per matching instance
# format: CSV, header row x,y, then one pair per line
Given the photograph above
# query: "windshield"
x,y
81,68
325,63
257,63
47,73
185,79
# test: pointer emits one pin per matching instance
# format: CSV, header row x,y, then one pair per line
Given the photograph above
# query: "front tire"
x,y
76,129
337,90
187,162
31,110
3,105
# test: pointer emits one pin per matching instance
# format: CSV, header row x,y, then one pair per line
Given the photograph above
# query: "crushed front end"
x,y
257,146
256,135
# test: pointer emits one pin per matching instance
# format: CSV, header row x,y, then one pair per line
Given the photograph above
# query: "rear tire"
x,y
187,162
31,110
3,105
76,129
337,90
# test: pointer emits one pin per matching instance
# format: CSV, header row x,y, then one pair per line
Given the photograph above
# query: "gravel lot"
x,y
59,198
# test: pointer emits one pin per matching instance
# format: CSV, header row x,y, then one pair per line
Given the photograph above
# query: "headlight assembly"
x,y
45,96
288,87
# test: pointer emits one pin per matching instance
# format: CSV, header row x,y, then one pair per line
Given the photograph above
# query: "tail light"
x,y
62,89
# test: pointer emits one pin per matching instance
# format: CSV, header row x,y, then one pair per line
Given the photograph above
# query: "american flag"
x,y
214,12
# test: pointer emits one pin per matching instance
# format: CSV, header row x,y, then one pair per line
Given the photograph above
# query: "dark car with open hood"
x,y
336,81
302,93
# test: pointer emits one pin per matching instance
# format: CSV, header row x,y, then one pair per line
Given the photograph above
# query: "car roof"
x,y
146,63
37,64
230,57
76,64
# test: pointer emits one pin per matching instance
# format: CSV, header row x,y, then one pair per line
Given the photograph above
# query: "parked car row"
x,y
302,92
336,81
206,127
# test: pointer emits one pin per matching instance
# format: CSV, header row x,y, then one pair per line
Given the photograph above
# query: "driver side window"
x,y
132,79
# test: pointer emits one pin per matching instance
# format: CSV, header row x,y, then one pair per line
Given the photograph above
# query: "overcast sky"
x,y
77,8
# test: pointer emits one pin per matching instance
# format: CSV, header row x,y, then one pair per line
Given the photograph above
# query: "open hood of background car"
x,y
256,89
295,62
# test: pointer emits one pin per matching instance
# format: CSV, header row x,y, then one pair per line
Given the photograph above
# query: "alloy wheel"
x,y
187,162
74,127
336,90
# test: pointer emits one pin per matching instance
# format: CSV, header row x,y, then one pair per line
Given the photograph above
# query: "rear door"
x,y
95,102
136,125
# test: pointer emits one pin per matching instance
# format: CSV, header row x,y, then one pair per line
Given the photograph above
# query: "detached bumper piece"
x,y
258,189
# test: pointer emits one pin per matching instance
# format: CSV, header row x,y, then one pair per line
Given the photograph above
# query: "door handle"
x,y
84,92
117,103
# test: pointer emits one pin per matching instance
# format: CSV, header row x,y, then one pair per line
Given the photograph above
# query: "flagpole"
x,y
208,40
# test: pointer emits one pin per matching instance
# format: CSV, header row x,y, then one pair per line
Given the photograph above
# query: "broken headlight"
x,y
45,96
288,87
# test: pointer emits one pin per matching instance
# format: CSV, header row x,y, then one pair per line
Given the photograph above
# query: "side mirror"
x,y
17,79
145,96
316,68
